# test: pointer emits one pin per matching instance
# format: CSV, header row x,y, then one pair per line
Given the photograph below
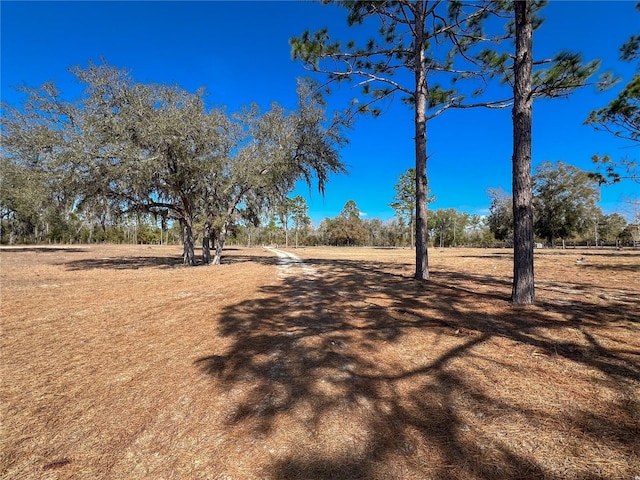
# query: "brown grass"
x,y
117,362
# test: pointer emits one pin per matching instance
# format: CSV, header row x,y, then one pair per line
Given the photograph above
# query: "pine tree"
x,y
421,52
531,79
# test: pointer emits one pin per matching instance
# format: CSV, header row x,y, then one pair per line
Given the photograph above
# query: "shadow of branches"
x,y
154,261
371,374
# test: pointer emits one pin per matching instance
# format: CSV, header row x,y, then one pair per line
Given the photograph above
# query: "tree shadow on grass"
x,y
331,359
41,249
165,261
124,263
614,267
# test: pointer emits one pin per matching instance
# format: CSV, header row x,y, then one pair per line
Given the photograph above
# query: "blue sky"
x,y
239,51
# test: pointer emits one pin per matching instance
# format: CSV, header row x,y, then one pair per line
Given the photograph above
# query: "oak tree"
x,y
274,150
565,201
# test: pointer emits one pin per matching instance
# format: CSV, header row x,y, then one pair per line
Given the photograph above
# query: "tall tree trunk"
x,y
523,275
188,255
206,242
422,258
222,238
12,234
413,232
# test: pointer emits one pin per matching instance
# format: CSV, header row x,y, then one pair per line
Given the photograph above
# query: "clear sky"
x,y
239,51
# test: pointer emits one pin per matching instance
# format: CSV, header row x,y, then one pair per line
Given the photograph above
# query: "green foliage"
x,y
609,172
630,51
404,200
455,28
40,154
631,234
421,53
552,78
566,73
347,228
447,227
565,201
501,215
621,118
292,210
148,149
301,220
611,227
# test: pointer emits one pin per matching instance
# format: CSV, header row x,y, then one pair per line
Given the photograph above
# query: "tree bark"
x,y
523,275
188,255
206,242
222,238
422,259
413,232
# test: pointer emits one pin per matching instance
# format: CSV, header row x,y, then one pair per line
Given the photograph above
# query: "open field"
x,y
118,363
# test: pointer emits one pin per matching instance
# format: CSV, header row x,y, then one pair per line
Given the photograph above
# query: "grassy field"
x,y
119,363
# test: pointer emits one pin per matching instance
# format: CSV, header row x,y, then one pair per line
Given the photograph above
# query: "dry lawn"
x,y
118,363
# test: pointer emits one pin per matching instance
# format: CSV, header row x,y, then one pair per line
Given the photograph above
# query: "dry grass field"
x,y
119,363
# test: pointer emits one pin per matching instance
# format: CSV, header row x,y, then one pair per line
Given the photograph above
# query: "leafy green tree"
x,y
24,197
323,232
299,216
421,52
394,233
404,201
565,201
501,215
610,227
270,231
375,231
284,212
148,149
41,151
293,210
477,230
347,228
447,226
176,147
274,150
631,234
123,146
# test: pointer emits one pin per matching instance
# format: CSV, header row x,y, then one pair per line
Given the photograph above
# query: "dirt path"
x,y
290,264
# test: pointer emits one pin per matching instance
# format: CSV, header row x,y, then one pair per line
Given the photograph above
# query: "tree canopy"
x,y
404,201
152,149
424,52
565,201
621,118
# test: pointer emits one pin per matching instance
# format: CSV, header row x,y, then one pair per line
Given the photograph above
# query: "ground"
x,y
119,363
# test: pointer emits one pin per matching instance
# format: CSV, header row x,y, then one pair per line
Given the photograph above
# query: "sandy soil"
x,y
117,362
